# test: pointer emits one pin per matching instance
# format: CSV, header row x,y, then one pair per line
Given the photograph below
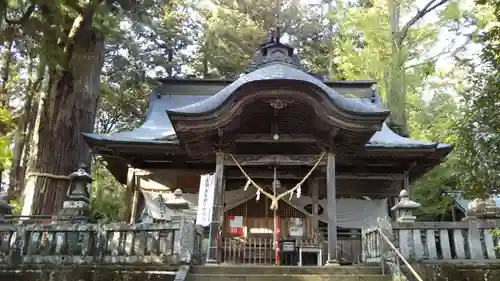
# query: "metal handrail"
x,y
400,256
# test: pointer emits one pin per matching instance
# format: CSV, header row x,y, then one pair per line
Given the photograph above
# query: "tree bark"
x,y
68,109
23,134
396,96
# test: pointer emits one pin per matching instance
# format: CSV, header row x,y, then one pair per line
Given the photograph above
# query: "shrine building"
x,y
277,155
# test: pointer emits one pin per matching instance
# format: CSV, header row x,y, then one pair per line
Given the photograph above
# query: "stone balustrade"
x,y
70,240
97,244
469,241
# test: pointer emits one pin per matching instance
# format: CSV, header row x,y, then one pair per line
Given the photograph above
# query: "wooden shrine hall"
x,y
280,157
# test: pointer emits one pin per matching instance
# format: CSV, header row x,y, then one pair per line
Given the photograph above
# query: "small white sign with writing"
x,y
205,200
296,227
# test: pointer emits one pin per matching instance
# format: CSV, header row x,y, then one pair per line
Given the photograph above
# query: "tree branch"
x,y
429,7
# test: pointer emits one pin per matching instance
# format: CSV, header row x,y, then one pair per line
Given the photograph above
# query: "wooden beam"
x,y
269,138
343,190
279,160
262,174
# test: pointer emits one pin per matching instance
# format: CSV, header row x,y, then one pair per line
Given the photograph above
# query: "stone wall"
x,y
449,272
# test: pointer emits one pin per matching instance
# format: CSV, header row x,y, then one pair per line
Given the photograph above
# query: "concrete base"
x,y
212,263
286,273
332,263
89,273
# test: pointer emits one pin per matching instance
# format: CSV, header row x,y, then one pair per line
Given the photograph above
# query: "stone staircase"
x,y
286,273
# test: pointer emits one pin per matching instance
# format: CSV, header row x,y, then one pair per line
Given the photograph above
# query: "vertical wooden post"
x,y
218,211
129,193
406,183
313,184
135,206
332,215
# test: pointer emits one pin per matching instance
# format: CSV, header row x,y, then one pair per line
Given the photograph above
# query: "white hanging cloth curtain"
x,y
351,213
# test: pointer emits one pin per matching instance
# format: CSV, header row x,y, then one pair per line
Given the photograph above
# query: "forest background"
x,y
72,66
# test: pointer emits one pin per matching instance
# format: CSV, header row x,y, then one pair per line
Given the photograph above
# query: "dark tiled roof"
x,y
278,71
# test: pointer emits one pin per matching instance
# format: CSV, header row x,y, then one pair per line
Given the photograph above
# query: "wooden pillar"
x,y
218,211
332,215
313,184
129,192
135,206
406,182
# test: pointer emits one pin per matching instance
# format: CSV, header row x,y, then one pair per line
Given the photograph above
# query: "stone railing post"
x,y
15,252
184,242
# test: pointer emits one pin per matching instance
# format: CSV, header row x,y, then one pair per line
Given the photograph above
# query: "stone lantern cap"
x,y
81,175
405,203
177,202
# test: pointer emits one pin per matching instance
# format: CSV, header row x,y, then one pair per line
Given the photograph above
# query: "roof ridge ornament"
x,y
273,51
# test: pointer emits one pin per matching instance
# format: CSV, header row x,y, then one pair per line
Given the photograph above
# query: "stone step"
x,y
284,277
285,270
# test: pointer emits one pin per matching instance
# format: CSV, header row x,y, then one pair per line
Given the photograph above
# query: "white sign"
x,y
296,231
296,227
236,225
205,200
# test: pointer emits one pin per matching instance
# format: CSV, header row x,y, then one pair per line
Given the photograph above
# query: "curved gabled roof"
x,y
157,127
278,71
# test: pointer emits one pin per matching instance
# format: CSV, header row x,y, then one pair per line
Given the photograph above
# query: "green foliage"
x,y
6,125
479,136
158,38
434,122
478,131
107,194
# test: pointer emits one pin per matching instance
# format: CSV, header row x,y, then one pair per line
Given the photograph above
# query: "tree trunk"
x,y
23,134
68,110
396,96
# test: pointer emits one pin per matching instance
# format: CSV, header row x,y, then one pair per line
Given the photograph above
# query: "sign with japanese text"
x,y
296,227
236,225
205,200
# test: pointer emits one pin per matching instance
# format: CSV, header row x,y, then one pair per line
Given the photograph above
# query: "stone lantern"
x,y
76,205
405,207
5,207
178,205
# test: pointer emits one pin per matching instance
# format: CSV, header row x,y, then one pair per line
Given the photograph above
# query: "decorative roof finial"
x,y
278,34
270,35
